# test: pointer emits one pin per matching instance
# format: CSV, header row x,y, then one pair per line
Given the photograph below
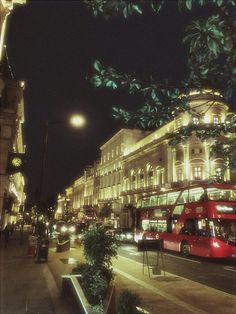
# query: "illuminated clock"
x,y
16,161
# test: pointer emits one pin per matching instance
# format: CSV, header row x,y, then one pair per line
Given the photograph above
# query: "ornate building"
x,y
152,164
12,196
135,163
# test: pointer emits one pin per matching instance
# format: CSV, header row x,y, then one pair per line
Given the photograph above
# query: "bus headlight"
x,y
215,244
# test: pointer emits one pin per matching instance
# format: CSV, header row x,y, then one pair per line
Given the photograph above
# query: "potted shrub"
x,y
128,302
96,275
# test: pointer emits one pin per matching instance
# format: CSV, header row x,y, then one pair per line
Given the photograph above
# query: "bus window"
x,y
162,225
196,195
203,228
139,203
178,210
215,194
146,202
172,197
189,227
154,225
162,199
153,201
171,223
183,197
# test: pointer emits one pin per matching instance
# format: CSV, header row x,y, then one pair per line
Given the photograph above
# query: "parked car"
x,y
122,234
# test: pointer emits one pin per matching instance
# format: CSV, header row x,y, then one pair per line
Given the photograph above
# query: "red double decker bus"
x,y
197,220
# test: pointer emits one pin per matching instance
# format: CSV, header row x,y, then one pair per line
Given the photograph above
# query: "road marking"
x,y
230,268
183,278
160,292
183,258
186,259
129,248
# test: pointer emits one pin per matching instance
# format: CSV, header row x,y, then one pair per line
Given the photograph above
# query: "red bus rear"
x,y
201,220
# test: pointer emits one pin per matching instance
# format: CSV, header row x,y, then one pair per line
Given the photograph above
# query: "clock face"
x,y
16,161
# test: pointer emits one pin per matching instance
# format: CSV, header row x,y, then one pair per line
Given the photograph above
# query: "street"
x,y
218,274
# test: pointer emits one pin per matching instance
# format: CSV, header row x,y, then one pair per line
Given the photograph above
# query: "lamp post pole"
x,y
77,121
43,165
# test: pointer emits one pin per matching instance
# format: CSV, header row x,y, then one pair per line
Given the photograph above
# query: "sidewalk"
x,y
29,287
26,286
160,294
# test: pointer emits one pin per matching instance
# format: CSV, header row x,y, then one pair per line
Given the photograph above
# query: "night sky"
x,y
52,45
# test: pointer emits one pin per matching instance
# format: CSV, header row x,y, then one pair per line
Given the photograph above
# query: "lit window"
x,y
197,173
219,173
179,174
216,120
112,153
195,120
196,151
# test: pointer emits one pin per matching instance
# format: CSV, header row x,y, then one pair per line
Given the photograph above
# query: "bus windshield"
x,y
224,229
226,195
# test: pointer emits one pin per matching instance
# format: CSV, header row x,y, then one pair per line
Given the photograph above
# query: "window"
x,y
216,119
196,195
162,199
172,197
219,173
179,174
162,177
112,153
196,151
154,225
133,179
150,177
141,179
195,120
145,202
189,227
154,200
178,210
197,173
183,198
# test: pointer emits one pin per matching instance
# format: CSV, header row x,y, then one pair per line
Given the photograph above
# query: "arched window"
x,y
150,176
133,180
141,178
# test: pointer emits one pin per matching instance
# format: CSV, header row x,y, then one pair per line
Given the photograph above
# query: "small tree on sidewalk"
x,y
99,249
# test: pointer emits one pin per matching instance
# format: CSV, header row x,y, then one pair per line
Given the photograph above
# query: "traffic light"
x,y
16,163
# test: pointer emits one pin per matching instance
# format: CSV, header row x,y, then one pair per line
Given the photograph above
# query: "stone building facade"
x,y
11,121
152,164
135,163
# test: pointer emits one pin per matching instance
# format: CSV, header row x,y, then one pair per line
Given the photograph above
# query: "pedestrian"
x,y
12,228
6,233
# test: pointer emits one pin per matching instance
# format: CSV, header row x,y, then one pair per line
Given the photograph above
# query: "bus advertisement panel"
x,y
198,220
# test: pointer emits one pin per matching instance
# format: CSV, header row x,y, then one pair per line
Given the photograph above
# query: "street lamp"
x,y
75,120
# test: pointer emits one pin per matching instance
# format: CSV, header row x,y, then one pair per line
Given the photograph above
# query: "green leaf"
x,y
97,65
137,8
189,4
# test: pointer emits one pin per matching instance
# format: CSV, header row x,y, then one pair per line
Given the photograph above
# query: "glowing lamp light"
x,y
77,121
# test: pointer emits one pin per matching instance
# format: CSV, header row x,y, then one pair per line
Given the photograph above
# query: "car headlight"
x,y
129,236
72,229
63,229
